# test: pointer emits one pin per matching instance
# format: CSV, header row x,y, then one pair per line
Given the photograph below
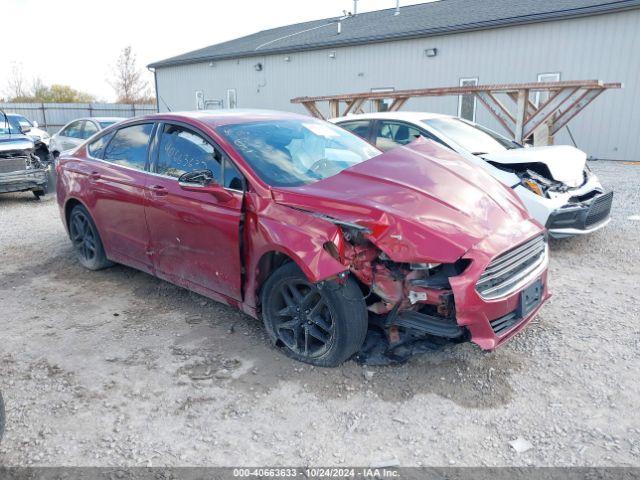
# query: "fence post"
x,y
44,115
90,109
133,107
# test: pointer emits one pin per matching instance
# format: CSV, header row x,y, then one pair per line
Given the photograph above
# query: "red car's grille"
x,y
509,270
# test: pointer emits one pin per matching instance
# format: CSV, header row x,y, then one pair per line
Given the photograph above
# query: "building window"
x,y
542,96
232,98
199,100
467,103
382,104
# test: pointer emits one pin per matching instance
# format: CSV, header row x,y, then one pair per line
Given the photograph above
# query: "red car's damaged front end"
x,y
340,249
440,247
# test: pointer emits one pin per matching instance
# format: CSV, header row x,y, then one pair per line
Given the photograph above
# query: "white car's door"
x,y
89,129
70,136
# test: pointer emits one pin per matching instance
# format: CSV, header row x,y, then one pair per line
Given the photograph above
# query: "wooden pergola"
x,y
565,100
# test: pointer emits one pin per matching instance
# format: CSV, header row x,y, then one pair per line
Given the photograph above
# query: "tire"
x,y
86,240
322,324
2,417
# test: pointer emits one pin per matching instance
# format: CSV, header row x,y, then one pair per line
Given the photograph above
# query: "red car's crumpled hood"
x,y
421,202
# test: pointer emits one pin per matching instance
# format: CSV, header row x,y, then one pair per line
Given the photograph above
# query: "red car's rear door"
x,y
195,237
117,182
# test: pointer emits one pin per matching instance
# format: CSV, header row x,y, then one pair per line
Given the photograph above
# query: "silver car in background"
x,y
76,132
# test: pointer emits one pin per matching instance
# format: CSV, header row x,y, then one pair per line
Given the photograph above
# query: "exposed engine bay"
x,y
411,306
20,168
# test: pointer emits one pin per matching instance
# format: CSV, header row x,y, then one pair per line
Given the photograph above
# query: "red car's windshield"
x,y
288,153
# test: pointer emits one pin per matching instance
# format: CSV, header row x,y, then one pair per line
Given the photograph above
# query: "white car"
x,y
76,132
29,128
554,182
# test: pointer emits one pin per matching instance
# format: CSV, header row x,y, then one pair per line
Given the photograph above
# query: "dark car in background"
x,y
20,168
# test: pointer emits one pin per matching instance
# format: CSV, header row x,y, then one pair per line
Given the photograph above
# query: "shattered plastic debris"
x,y
377,351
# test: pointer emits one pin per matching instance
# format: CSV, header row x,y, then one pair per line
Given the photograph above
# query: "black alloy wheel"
x,y
86,240
323,324
304,323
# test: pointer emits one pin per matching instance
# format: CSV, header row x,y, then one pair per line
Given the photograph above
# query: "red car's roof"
x,y
216,118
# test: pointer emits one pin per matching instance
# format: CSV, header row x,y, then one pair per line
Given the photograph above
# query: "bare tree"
x,y
127,81
16,87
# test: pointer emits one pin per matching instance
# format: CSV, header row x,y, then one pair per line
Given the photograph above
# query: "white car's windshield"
x,y
473,138
287,153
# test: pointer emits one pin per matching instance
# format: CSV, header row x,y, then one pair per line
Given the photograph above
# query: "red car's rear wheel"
x,y
86,240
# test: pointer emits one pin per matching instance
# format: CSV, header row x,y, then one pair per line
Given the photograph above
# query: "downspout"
x,y
155,85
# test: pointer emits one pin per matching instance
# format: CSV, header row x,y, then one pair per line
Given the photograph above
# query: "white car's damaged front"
x,y
554,182
558,188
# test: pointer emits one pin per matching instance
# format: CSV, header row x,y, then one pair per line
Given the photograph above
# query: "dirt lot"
x,y
118,368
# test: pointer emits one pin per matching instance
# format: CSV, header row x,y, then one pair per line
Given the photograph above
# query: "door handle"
x,y
95,176
158,190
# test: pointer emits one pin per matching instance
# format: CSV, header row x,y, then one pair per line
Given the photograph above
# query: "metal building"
x,y
438,44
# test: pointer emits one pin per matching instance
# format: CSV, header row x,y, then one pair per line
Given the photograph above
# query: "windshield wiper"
x,y
477,154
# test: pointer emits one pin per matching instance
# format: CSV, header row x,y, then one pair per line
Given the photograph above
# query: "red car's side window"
x,y
128,147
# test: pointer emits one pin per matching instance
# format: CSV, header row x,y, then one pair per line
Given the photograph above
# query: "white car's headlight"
x,y
532,185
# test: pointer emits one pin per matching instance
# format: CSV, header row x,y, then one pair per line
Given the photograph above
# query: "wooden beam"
x,y
398,103
498,110
531,108
440,91
545,111
353,105
313,110
574,109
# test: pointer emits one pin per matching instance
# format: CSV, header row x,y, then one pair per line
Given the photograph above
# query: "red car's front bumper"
x,y
492,322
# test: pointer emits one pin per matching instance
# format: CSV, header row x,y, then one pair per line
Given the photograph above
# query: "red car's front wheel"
x,y
321,324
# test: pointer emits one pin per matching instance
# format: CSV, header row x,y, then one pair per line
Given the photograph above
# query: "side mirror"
x,y
25,129
203,181
35,124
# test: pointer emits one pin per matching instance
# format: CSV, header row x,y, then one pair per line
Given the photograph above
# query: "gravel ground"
x,y
118,368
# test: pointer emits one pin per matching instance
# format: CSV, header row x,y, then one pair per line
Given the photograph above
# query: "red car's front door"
x,y
195,237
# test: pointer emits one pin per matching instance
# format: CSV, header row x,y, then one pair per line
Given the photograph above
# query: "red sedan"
x,y
300,223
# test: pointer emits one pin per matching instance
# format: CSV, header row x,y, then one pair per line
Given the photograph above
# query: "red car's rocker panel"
x,y
415,243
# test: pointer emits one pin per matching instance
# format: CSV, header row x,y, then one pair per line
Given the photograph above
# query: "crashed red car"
x,y
340,249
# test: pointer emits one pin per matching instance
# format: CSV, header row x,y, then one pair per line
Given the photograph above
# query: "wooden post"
x,y
334,108
521,114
